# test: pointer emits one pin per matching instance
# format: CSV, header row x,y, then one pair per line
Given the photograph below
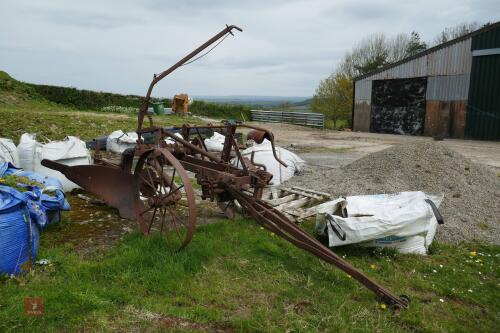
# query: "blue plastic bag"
x,y
21,217
54,202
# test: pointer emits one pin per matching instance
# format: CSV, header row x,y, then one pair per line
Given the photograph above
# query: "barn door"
x,y
483,109
398,106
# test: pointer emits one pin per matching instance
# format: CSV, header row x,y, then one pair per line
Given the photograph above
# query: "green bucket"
x,y
158,108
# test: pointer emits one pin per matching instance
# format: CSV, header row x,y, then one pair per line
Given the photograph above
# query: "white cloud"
x,y
285,49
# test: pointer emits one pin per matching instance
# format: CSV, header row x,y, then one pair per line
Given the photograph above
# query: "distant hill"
x,y
256,101
305,102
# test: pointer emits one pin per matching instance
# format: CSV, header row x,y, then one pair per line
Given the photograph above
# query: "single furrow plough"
x,y
151,183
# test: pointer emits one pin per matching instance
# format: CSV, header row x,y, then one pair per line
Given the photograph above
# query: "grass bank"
x,y
54,122
13,91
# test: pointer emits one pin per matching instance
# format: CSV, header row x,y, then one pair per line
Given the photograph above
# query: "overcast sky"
x,y
285,48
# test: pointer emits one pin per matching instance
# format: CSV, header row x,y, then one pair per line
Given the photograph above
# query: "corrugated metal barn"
x,y
450,90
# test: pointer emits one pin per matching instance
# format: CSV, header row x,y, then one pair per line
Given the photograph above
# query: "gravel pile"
x,y
471,206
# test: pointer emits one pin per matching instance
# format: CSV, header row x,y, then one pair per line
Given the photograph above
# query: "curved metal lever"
x,y
271,137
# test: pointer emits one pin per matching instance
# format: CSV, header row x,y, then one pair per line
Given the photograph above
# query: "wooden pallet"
x,y
296,203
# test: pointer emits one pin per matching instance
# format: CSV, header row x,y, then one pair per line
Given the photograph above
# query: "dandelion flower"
x,y
473,253
383,306
372,266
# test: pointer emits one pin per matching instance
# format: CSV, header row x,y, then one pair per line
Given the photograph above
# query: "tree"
x,y
346,66
456,31
415,45
377,50
371,53
396,47
333,98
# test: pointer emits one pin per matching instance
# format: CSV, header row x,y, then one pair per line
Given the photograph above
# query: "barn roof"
x,y
429,50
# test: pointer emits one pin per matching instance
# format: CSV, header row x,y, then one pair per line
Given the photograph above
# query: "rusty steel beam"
x,y
193,147
276,222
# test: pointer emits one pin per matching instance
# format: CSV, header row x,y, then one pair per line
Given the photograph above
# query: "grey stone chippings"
x,y
471,206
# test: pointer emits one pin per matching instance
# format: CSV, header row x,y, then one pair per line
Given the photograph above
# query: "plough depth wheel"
x,y
167,194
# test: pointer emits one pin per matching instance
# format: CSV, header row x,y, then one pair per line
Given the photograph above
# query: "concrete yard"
x,y
336,148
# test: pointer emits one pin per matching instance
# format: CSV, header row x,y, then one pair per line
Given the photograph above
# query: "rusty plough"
x,y
151,183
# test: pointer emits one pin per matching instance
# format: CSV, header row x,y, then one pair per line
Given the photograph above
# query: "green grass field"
x,y
234,276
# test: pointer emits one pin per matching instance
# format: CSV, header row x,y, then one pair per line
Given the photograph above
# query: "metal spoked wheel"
x,y
167,194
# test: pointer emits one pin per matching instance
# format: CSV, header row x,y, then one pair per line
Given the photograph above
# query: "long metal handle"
x,y
143,111
278,223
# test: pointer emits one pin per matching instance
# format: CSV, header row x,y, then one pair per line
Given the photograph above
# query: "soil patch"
x,y
89,226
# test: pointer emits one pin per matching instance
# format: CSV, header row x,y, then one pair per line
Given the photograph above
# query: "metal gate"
x,y
298,118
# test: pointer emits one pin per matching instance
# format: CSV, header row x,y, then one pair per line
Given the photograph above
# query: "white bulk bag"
x,y
403,220
215,143
264,155
171,141
70,151
118,142
8,152
410,244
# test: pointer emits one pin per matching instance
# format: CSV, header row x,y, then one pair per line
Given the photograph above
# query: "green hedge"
x,y
93,100
108,102
84,99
